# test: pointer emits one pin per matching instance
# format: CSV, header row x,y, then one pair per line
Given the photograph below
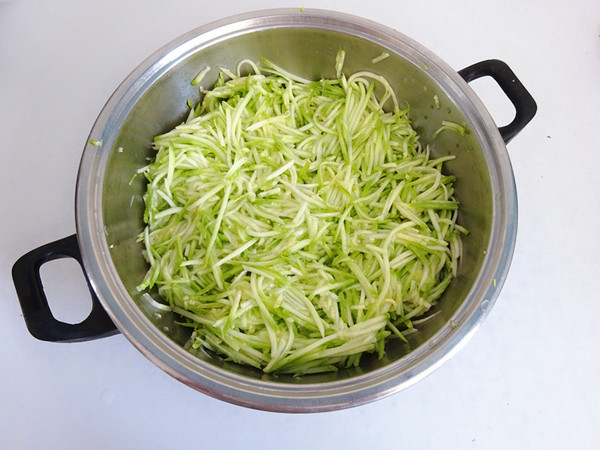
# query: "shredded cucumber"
x,y
296,224
380,58
450,126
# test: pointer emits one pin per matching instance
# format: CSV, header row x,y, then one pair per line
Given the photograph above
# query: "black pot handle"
x,y
507,80
36,311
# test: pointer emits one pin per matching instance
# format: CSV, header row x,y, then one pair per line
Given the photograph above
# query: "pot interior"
x,y
158,103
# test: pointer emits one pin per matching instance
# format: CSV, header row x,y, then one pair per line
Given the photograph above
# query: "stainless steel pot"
x,y
152,100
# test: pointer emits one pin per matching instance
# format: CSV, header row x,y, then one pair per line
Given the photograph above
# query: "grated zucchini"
x,y
297,224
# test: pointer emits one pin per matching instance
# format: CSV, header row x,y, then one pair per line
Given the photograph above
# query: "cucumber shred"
x,y
297,224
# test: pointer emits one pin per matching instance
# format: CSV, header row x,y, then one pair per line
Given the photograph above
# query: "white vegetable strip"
x,y
236,252
296,224
198,79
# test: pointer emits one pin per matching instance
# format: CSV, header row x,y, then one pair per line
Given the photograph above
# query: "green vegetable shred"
x,y
294,224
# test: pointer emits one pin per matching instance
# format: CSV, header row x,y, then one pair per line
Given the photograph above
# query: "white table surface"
x,y
530,378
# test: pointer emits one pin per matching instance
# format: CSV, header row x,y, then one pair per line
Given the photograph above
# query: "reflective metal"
x,y
153,99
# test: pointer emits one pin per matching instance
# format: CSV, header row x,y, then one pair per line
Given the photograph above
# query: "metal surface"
x,y
153,99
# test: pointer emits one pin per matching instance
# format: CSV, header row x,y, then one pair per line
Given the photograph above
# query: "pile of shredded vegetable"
x,y
296,224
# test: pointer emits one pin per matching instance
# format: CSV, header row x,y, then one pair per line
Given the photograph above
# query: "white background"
x,y
530,378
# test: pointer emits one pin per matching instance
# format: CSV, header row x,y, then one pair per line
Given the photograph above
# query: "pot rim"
x,y
269,395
